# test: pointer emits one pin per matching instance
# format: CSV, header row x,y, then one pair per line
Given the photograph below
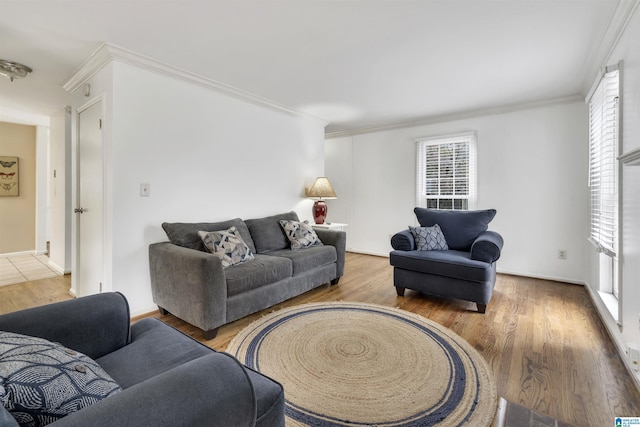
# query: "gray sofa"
x,y
166,377
465,270
192,284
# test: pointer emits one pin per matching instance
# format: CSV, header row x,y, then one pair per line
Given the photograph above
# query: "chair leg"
x,y
210,334
482,308
400,291
162,311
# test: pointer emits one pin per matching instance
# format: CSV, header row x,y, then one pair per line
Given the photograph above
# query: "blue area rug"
x,y
355,364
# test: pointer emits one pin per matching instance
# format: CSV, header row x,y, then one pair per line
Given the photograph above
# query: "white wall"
x,y
532,168
207,156
60,191
627,50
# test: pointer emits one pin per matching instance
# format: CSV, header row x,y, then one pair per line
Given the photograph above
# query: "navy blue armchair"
x,y
452,255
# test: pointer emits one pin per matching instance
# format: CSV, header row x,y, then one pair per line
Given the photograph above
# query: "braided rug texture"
x,y
355,364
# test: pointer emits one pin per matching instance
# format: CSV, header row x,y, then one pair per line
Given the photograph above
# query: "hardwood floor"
x,y
544,340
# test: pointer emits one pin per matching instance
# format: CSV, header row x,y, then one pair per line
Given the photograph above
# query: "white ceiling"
x,y
357,63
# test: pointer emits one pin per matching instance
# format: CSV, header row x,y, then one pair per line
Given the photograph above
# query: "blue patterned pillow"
x,y
429,238
227,245
300,234
41,381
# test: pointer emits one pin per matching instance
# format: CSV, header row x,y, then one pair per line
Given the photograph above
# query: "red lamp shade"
x,y
321,188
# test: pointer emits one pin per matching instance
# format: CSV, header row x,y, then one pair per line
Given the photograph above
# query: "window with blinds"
x,y
604,113
445,171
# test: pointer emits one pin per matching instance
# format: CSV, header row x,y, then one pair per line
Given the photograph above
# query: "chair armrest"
x,y
403,241
6,419
94,325
487,247
189,283
211,390
338,239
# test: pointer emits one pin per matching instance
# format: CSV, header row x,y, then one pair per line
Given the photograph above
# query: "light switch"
x,y
145,190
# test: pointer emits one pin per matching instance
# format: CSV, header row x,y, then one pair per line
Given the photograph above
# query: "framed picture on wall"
x,y
9,176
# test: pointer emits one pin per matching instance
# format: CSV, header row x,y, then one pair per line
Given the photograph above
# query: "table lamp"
x,y
321,188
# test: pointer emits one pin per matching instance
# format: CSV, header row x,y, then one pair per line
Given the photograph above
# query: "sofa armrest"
x,y
188,283
487,247
403,241
94,325
212,390
338,239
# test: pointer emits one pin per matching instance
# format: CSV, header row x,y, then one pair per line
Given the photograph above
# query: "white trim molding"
x,y
107,53
461,115
631,158
616,25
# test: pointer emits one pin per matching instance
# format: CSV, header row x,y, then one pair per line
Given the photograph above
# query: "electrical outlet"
x,y
562,254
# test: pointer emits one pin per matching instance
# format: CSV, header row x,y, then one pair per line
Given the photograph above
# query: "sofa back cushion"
x,y
267,233
185,234
460,228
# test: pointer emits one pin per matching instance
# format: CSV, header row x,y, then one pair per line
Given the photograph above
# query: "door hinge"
x,y
100,287
100,123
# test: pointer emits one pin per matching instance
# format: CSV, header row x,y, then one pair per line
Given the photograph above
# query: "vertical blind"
x,y
604,113
445,172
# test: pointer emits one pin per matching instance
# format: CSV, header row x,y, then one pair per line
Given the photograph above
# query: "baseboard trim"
x,y
55,267
14,254
542,277
613,329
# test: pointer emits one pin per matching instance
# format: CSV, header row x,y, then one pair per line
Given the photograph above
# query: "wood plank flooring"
x,y
544,340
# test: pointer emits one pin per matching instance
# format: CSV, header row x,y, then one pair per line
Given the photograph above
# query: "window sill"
x,y
611,303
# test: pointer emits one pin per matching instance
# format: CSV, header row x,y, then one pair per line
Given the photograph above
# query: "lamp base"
x,y
319,211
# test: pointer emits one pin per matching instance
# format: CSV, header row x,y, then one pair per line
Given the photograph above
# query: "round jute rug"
x,y
354,364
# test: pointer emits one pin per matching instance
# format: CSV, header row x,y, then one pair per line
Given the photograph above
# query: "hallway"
x,y
24,268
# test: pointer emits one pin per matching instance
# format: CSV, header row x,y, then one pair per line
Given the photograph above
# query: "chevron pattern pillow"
x,y
41,381
300,234
227,245
429,238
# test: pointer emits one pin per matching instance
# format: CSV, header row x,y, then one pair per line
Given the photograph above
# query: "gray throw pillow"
x,y
41,381
429,238
227,245
300,234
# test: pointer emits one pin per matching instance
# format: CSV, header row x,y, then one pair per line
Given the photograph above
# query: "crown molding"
x,y
468,114
601,53
107,53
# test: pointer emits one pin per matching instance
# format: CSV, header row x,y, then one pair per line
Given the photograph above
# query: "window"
x,y
604,114
446,172
603,166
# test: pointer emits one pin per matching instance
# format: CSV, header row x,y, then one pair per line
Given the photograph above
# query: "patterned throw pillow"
x,y
300,234
429,238
227,245
41,381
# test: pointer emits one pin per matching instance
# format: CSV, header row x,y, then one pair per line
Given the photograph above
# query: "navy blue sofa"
x,y
465,270
167,378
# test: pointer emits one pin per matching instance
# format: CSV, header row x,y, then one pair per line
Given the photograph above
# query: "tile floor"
x,y
24,268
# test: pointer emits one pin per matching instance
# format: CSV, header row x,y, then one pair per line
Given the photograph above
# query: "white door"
x,y
89,211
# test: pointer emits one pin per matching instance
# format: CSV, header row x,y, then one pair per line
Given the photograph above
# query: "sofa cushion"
x,y
154,349
300,234
310,258
429,238
185,234
41,381
460,228
227,245
263,270
454,264
267,234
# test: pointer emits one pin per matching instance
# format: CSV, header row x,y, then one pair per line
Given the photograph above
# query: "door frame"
x,y
76,289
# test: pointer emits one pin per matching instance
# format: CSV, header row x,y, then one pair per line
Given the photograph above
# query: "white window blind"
x,y
604,113
446,172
